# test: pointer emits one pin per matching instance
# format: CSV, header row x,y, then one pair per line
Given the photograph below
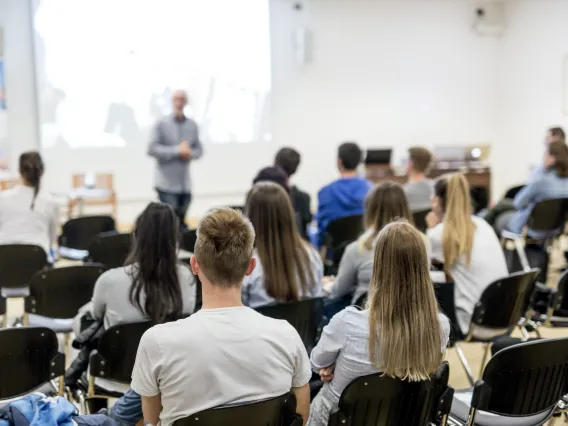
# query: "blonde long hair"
x,y
457,238
283,254
386,202
403,312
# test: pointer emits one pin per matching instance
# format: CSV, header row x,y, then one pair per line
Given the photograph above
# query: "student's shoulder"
x,y
115,274
174,331
325,190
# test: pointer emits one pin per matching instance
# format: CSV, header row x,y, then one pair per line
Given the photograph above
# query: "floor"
x,y
473,351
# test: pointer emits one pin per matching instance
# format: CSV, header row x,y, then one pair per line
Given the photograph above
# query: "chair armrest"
x,y
445,403
57,366
481,395
97,365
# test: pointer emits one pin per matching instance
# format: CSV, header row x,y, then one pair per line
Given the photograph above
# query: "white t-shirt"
x,y
488,264
218,357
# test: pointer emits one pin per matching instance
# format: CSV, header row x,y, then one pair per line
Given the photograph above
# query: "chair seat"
x,y
460,412
14,293
559,321
56,324
83,384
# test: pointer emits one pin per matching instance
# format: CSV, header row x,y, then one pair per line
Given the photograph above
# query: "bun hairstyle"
x,y
459,229
31,170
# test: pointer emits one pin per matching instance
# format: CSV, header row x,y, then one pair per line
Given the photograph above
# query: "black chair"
x,y
279,411
29,360
110,249
3,312
79,233
500,309
512,192
305,316
419,218
522,384
381,400
18,264
547,217
557,312
188,240
114,358
339,233
445,295
56,295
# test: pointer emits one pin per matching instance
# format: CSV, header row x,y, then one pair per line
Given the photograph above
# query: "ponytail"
x,y
459,229
31,170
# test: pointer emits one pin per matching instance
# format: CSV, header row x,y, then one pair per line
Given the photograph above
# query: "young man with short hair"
x,y
288,159
418,188
345,196
226,353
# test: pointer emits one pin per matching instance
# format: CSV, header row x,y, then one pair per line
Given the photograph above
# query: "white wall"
x,y
385,73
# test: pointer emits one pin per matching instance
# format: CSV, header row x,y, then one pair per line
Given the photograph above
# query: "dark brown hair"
x,y
31,170
283,254
385,203
558,132
559,151
288,159
420,158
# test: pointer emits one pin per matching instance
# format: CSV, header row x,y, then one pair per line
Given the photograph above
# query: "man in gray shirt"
x,y
174,143
419,189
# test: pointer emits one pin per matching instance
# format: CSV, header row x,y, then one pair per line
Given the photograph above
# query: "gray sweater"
x,y
172,173
355,270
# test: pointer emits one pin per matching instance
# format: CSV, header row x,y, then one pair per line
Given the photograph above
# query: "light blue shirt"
x,y
549,185
254,292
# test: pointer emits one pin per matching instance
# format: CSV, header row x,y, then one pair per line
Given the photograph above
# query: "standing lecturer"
x,y
174,143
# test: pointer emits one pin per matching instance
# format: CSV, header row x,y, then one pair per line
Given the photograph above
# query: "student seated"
x,y
152,286
345,196
554,134
465,244
272,174
288,159
385,203
400,333
512,215
287,267
28,216
226,353
419,188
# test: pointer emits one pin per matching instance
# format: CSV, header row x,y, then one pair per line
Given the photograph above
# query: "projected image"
x,y
106,69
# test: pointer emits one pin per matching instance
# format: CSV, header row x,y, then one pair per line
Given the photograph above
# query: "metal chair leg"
x,y
465,364
486,347
522,255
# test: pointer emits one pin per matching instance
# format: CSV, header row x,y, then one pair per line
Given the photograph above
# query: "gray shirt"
x,y
345,343
111,297
254,292
172,172
419,194
355,271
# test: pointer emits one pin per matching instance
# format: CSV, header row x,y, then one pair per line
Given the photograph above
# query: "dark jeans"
x,y
128,409
180,203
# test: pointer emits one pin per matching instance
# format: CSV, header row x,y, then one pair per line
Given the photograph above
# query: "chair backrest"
x,y
380,400
279,411
80,232
548,215
116,352
344,230
305,316
504,302
188,239
60,292
524,379
102,180
2,306
110,249
29,358
419,218
445,295
19,263
561,297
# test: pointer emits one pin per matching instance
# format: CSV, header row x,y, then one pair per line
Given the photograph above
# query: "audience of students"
x,y
465,244
419,188
401,332
385,203
287,267
288,159
225,353
345,196
512,215
27,215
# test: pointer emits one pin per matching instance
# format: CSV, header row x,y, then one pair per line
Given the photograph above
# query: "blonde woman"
x,y
400,333
287,267
383,204
465,244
